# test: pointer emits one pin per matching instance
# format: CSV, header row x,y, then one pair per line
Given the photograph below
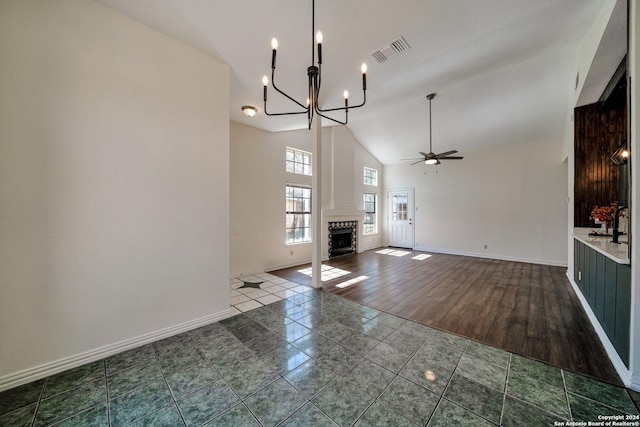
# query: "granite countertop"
x,y
617,252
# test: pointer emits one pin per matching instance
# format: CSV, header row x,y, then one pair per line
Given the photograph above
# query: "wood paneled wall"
x,y
597,135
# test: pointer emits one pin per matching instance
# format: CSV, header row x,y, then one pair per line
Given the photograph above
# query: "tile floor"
x,y
313,359
272,289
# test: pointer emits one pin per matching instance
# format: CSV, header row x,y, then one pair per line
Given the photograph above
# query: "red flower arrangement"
x,y
604,213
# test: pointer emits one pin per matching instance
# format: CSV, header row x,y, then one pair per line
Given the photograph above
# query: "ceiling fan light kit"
x,y
431,158
314,72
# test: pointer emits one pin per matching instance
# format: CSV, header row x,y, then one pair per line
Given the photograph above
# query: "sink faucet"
x,y
616,224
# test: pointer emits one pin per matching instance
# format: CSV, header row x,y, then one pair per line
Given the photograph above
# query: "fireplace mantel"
x,y
346,212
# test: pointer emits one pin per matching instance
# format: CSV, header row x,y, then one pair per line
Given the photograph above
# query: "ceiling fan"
x,y
431,158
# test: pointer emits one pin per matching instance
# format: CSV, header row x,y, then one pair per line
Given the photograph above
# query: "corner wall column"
x,y
316,204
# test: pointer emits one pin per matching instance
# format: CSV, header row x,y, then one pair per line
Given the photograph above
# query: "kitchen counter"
x,y
617,252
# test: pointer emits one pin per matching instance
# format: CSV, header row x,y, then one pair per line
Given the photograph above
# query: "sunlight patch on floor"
x,y
421,257
352,281
393,252
327,272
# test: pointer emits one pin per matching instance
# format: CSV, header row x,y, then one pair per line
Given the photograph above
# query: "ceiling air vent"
x,y
394,48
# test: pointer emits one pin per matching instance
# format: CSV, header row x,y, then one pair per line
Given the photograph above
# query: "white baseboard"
x,y
272,267
51,368
369,248
493,256
618,364
635,383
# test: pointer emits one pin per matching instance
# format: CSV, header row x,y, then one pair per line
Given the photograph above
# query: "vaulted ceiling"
x,y
503,70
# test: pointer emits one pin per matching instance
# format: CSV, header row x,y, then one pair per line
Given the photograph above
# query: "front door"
x,y
400,229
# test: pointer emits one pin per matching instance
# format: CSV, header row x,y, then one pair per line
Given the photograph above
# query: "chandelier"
x,y
314,72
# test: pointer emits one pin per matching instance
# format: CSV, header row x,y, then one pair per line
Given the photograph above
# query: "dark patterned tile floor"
x,y
314,359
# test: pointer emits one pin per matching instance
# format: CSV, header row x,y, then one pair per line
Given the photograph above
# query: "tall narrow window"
x,y
370,176
369,223
298,161
298,214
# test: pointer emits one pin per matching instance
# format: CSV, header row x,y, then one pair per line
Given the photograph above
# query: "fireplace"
x,y
342,238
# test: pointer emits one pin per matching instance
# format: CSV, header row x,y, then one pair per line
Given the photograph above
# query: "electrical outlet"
x,y
486,246
291,253
579,275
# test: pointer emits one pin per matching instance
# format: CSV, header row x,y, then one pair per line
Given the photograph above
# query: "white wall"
x,y
634,74
114,185
258,181
511,198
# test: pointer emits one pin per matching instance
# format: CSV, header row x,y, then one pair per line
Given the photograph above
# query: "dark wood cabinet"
x,y
606,286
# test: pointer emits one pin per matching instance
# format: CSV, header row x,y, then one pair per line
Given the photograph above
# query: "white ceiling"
x,y
503,69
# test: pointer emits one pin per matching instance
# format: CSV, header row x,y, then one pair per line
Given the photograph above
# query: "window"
x,y
399,206
298,161
298,217
370,176
369,224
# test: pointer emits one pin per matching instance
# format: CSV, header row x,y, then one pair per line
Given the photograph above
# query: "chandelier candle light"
x,y
314,72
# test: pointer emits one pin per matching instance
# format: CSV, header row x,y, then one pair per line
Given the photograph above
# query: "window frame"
x,y
370,178
290,166
366,226
290,232
399,208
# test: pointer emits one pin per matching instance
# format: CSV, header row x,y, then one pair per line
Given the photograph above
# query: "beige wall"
x,y
114,185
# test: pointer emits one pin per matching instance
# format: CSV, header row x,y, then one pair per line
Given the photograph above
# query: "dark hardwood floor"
x,y
527,309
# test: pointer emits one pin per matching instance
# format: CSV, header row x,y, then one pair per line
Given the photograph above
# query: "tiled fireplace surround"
x,y
352,226
342,216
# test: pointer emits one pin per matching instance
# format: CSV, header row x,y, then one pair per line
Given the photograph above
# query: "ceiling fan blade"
x,y
451,158
446,153
414,158
415,163
424,154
